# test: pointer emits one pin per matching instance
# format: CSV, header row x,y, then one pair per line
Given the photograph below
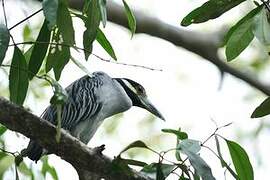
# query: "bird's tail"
x,y
33,151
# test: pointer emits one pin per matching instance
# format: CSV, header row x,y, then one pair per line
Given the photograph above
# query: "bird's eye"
x,y
140,90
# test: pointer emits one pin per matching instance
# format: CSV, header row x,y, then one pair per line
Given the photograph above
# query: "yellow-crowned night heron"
x,y
90,101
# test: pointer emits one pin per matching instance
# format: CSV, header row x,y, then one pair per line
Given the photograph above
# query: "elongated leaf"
x,y
54,51
64,23
262,110
87,44
39,50
240,160
130,17
18,77
5,164
190,145
136,144
209,10
219,152
249,16
25,170
3,129
47,168
159,172
239,39
103,11
261,28
180,135
50,8
223,163
190,148
91,24
4,40
104,42
184,169
60,63
200,166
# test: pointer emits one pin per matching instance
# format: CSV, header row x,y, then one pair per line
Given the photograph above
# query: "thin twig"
x,y
82,49
25,19
8,152
202,144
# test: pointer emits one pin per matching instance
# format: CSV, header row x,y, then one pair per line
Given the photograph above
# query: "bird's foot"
x,y
99,149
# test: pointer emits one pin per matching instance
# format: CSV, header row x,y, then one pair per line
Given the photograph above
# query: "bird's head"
x,y
137,94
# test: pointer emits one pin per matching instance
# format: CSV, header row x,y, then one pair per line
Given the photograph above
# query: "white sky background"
x,y
185,91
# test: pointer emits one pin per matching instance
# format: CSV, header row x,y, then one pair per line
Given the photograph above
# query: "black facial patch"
x,y
134,97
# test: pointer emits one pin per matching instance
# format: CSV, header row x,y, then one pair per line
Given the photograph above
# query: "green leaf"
x,y
200,166
27,54
60,63
190,145
3,129
219,152
249,16
18,77
261,27
223,163
180,135
136,144
185,169
240,160
120,166
50,8
25,170
159,172
64,23
4,41
5,163
151,169
47,168
190,148
54,51
39,51
87,44
91,24
262,110
209,10
239,39
130,17
103,11
104,42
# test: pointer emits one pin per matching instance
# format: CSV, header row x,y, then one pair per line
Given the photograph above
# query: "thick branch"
x,y
84,159
202,44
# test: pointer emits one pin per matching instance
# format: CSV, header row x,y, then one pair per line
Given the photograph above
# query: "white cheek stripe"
x,y
130,86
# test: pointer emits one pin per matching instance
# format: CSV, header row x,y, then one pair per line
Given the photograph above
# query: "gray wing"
x,y
80,105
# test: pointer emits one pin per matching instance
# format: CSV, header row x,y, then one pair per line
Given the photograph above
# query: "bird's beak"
x,y
146,104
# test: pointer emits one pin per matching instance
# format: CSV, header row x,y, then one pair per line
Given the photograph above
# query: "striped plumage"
x,y
90,101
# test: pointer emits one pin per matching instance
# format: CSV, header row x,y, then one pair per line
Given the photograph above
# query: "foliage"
x,y
196,167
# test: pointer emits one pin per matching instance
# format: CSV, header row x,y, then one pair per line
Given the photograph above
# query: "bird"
x,y
90,100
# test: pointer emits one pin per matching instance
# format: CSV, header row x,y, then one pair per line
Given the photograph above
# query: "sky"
x,y
186,91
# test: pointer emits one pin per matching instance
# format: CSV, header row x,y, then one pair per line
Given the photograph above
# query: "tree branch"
x,y
84,159
205,45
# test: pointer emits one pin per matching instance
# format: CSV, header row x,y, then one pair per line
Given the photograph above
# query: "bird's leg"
x,y
99,149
